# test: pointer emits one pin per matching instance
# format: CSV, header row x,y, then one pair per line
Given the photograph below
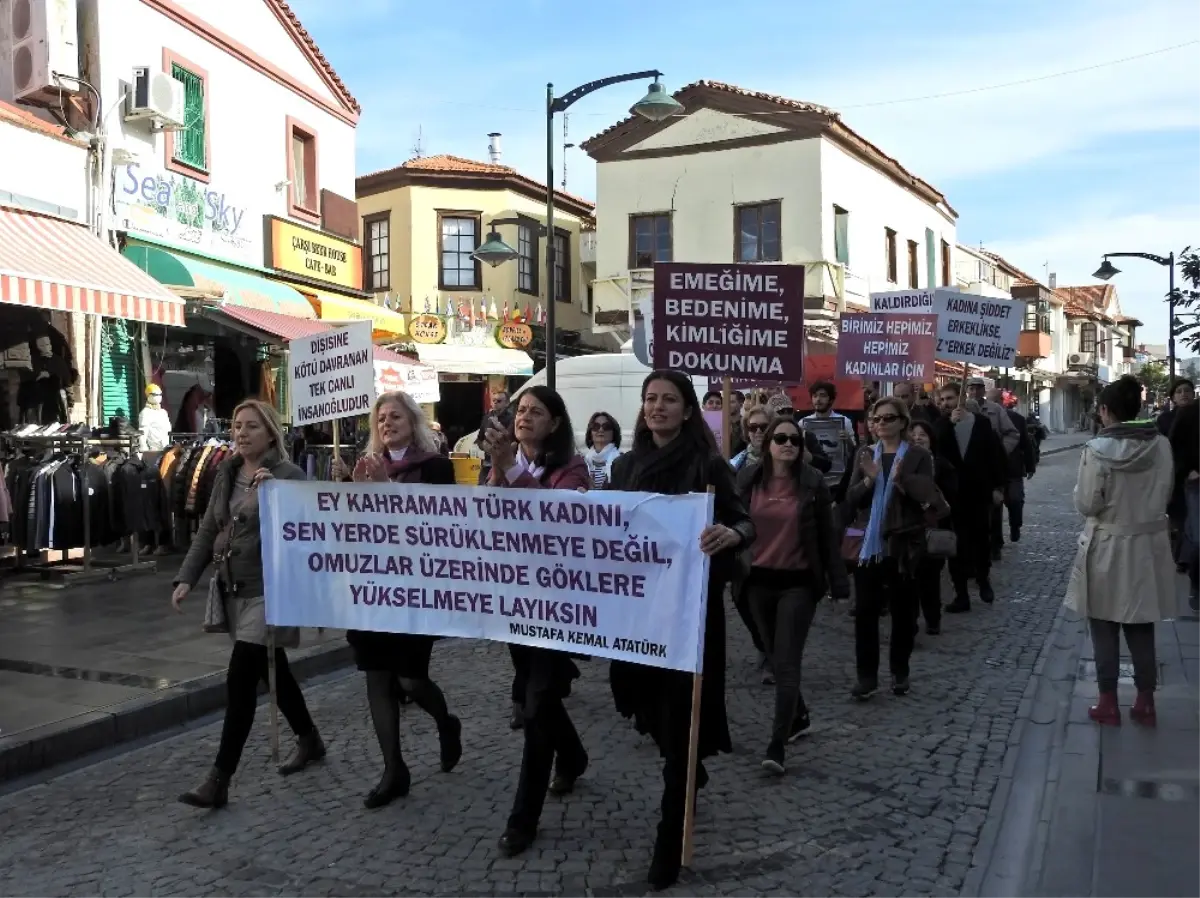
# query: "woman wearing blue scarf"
x,y
894,478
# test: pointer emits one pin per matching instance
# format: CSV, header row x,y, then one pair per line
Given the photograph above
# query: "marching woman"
x,y
540,454
402,449
674,453
895,481
795,561
603,441
229,539
928,578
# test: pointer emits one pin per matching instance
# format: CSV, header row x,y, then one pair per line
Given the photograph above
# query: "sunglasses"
x,y
885,419
756,428
782,439
600,426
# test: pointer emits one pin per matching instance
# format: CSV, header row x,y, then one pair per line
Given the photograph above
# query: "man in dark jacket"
x,y
1022,462
501,412
972,445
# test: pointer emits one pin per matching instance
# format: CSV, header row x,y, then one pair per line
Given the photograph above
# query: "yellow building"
x,y
421,222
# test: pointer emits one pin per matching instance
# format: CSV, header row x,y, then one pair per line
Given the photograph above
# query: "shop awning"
x,y
60,266
200,279
385,322
449,358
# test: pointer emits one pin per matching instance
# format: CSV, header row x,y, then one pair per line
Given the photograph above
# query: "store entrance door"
x,y
461,408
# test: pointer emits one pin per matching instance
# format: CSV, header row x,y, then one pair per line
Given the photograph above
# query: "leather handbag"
x,y
852,541
215,619
940,542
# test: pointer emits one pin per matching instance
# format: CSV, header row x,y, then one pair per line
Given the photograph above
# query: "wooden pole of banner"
x,y
693,760
726,420
962,393
274,694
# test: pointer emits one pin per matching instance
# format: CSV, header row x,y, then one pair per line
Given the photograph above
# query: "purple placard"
x,y
740,321
887,347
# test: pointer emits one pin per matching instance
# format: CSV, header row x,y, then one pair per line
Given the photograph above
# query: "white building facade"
x,y
741,176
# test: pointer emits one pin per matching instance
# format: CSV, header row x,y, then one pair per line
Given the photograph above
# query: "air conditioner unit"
x,y
157,97
1082,359
42,41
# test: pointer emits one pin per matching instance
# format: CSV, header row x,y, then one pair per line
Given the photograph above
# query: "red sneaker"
x,y
1106,712
1143,710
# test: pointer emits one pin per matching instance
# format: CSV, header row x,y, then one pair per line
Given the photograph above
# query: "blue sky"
x,y
1056,171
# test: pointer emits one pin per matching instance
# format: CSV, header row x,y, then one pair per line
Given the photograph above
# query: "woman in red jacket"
x,y
540,453
401,450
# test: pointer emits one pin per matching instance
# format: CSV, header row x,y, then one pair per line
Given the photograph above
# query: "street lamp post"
x,y
656,106
1107,270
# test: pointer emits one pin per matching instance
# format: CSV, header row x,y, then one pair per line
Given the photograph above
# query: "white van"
x,y
608,382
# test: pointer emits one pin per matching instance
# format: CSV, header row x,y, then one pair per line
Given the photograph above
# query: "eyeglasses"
x,y
600,426
782,439
756,428
885,419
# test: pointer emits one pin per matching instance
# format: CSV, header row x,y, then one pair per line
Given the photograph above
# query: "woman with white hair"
x,y
402,449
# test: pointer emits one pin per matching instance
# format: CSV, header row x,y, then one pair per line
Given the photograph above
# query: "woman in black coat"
x,y
929,570
673,454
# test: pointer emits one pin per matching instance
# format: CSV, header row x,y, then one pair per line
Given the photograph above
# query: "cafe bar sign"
x,y
311,254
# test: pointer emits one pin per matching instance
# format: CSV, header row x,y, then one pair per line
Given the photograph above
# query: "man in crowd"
x,y
1021,465
837,436
503,414
1003,425
970,443
906,392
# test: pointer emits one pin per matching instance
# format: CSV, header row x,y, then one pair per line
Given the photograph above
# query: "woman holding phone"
x,y
539,454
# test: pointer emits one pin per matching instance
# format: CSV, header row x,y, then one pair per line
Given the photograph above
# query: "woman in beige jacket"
x,y
1123,578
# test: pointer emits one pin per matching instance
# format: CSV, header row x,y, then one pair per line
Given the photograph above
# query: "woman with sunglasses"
x,y
795,562
674,453
755,421
603,441
539,453
895,481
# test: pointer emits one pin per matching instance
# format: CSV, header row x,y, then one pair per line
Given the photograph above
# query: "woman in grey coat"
x,y
229,539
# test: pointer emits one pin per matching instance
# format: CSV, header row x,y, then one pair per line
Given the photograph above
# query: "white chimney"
x,y
1053,280
494,148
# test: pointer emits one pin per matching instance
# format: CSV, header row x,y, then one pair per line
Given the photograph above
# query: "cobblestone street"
x,y
886,797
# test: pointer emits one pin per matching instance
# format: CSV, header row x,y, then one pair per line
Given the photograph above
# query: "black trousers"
x,y
928,584
1106,641
741,601
876,586
783,612
248,668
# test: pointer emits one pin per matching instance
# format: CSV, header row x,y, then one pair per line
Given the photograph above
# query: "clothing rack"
x,y
90,569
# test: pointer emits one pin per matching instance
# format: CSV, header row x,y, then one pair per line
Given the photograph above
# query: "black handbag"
x,y
941,543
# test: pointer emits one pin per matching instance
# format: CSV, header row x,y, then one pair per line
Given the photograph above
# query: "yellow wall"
x,y
414,247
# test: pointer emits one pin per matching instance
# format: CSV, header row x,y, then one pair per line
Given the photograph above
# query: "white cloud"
x,y
1076,250
999,130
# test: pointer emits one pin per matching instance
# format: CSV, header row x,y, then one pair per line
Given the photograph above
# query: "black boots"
x,y
212,793
450,739
986,594
309,750
517,721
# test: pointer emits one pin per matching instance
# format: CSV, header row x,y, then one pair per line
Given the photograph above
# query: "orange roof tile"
x,y
1022,277
833,115
284,13
451,165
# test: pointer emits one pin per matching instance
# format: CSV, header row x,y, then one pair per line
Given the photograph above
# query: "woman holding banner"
x,y
674,453
402,449
229,539
539,453
795,562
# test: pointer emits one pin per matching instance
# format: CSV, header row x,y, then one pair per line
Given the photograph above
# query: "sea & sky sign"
x,y
740,321
887,347
609,574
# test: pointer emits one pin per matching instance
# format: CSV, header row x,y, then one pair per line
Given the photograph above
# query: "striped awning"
x,y
60,266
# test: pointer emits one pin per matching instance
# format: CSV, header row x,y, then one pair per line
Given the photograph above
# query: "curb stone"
x,y
52,744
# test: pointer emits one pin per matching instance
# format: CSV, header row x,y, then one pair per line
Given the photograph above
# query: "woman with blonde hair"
x,y
402,449
229,539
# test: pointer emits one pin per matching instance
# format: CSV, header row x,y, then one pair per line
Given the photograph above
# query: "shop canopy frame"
x,y
60,266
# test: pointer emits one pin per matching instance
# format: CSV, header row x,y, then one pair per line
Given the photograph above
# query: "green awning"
x,y
212,281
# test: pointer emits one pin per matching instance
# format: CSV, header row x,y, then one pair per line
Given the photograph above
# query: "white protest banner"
x,y
332,374
613,574
978,329
918,302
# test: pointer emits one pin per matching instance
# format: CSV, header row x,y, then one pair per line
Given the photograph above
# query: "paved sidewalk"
x,y
1101,811
1062,442
84,667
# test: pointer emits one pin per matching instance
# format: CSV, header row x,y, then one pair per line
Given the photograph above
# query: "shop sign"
x,y
427,329
514,335
311,254
178,209
418,381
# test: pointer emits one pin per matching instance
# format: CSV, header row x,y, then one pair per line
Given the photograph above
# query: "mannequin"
x,y
154,422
